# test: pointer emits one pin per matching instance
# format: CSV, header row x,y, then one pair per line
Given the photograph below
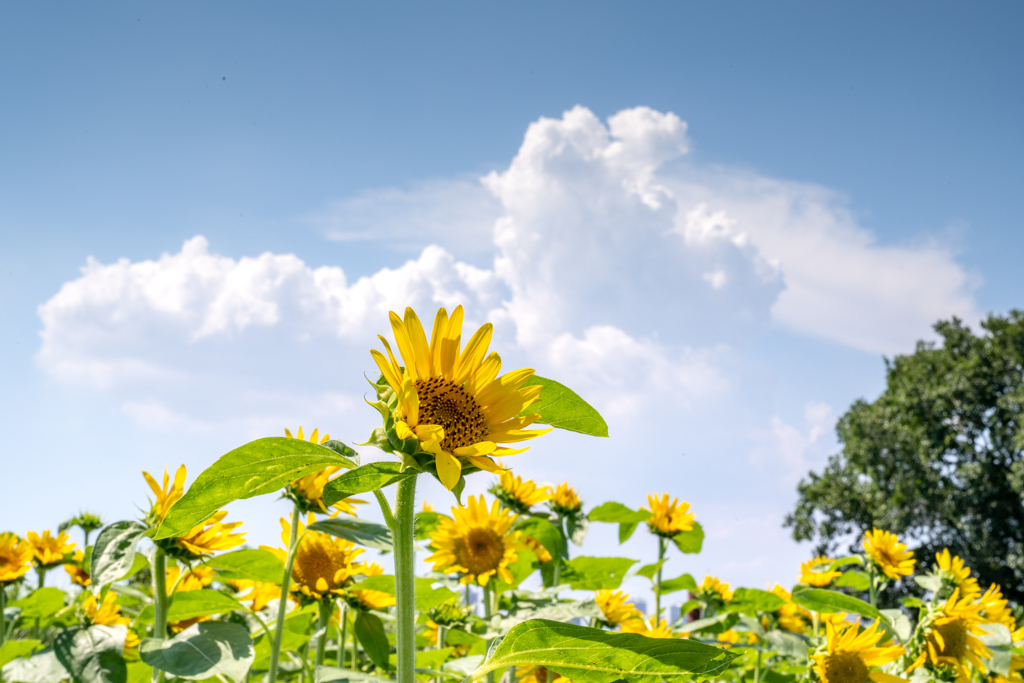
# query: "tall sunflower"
x,y
890,556
955,572
450,400
324,565
208,537
47,550
15,558
166,495
815,572
996,609
308,492
952,636
519,494
478,543
615,608
851,655
668,518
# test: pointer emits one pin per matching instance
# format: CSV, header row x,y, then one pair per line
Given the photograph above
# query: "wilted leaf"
x,y
201,651
365,478
113,555
250,563
561,407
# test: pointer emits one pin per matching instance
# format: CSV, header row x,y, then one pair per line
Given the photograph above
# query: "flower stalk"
x,y
403,530
342,632
159,567
326,609
282,608
657,585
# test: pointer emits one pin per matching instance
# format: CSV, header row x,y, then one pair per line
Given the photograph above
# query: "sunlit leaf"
x,y
827,602
113,555
691,541
595,573
545,533
13,649
617,513
756,600
203,650
359,531
561,407
365,478
681,582
191,604
93,654
329,674
42,603
856,580
251,563
43,667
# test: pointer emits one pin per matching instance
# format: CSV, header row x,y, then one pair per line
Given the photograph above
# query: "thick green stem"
x,y
3,618
159,569
282,607
488,613
657,585
872,588
86,545
342,632
326,609
405,586
557,578
355,645
757,668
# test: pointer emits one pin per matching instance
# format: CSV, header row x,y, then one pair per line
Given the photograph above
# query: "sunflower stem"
x,y
342,632
326,609
159,568
3,618
757,668
872,588
488,613
282,607
405,585
657,585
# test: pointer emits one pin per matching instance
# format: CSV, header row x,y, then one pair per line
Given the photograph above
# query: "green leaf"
x,y
43,667
426,523
328,674
649,570
756,600
545,532
365,478
432,659
617,513
827,602
596,573
788,644
251,563
360,531
560,407
370,632
856,580
576,527
113,554
259,467
42,603
203,650
719,623
13,649
427,597
525,564
930,582
190,604
843,561
93,655
691,541
589,655
139,672
626,530
681,582
901,625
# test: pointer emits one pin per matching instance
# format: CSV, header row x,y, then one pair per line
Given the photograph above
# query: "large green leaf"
x,y
113,554
756,600
617,513
43,667
561,407
13,649
365,478
360,531
259,467
691,541
856,580
545,533
251,563
827,602
42,603
203,650
370,631
589,655
191,604
681,582
595,573
427,597
93,655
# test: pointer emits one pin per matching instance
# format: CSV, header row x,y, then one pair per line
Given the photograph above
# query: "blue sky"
x,y
713,220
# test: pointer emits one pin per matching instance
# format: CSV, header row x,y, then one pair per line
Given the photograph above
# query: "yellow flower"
x,y
257,593
810,577
851,654
197,578
712,587
210,536
519,494
952,636
77,570
371,599
49,550
427,507
452,401
995,608
791,617
668,519
537,547
324,565
891,556
651,629
108,614
166,495
564,499
309,490
476,543
15,558
539,674
960,575
730,638
614,606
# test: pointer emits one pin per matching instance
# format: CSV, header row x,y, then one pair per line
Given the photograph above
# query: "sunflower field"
x,y
177,595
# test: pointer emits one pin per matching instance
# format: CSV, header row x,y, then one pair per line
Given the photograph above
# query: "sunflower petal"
x,y
448,469
419,343
479,448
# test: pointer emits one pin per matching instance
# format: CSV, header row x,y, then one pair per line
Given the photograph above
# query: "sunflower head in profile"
x,y
614,607
668,519
324,565
713,593
365,599
951,637
564,500
790,617
519,494
257,593
476,542
204,539
308,492
955,574
108,613
447,404
166,495
851,655
652,629
887,553
15,558
49,551
995,608
817,572
77,571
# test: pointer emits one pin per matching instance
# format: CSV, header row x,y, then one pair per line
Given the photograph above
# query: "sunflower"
x,y
731,637
428,506
370,599
76,570
47,550
888,554
651,629
15,558
668,519
539,674
519,494
324,565
615,608
477,543
208,537
564,501
537,547
166,495
815,572
308,492
851,654
955,572
791,617
995,608
257,593
108,614
198,577
952,637
451,401
714,590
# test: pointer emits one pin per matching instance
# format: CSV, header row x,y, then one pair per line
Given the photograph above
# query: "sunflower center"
x,y
954,638
480,551
845,667
317,560
450,406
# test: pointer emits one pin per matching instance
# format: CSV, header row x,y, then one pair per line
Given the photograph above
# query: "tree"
x,y
938,458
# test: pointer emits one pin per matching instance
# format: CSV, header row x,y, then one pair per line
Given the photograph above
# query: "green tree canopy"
x,y
938,458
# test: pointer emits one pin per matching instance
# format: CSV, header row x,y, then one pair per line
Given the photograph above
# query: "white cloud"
x,y
792,452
